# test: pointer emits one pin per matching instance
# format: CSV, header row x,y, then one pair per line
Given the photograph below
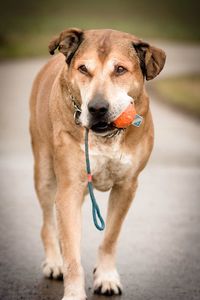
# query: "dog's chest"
x,y
109,165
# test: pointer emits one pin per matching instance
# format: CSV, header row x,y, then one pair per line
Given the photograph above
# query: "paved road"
x,y
159,250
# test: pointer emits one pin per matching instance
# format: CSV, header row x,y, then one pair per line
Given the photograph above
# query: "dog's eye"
x,y
119,70
83,69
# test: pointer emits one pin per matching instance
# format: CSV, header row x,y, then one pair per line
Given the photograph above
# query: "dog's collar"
x,y
76,106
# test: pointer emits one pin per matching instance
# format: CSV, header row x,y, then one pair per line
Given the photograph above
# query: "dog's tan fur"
x,y
58,146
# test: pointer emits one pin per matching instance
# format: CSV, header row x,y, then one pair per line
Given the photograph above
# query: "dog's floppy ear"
x,y
152,59
67,42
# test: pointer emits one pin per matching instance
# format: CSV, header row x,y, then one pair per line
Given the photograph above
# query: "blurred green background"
x,y
27,26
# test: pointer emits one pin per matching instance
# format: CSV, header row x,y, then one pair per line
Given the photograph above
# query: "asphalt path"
x,y
159,249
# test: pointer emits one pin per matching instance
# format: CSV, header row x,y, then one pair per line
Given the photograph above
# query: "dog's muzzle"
x,y
99,116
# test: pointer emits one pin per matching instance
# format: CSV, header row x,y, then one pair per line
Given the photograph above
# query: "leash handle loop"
x,y
97,218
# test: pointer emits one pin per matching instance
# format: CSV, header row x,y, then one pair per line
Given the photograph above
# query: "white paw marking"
x,y
52,269
73,298
107,282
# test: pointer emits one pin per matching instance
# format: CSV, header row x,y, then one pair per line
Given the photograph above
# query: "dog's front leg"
x,y
106,278
69,198
68,208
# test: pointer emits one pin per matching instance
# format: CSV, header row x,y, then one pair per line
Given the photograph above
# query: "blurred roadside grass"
x,y
27,26
182,92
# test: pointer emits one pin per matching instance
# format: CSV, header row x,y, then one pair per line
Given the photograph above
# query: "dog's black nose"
x,y
98,107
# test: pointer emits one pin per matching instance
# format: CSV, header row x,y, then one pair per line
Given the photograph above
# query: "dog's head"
x,y
107,69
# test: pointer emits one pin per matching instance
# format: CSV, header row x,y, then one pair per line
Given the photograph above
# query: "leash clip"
x,y
77,111
76,117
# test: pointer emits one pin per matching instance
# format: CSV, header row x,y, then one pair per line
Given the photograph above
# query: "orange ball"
x,y
126,117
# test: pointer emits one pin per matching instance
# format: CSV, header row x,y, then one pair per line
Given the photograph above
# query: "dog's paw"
x,y
73,298
83,297
52,269
107,282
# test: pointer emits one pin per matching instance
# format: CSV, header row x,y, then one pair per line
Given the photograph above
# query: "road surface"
x,y
159,249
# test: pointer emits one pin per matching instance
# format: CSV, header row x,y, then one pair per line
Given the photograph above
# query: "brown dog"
x,y
101,72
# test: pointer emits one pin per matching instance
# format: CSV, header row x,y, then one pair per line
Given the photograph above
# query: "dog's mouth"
x,y
102,127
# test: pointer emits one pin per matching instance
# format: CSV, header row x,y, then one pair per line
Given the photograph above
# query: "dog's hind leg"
x,y
106,277
45,184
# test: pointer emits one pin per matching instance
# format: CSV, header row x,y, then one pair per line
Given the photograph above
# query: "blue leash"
x,y
97,218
